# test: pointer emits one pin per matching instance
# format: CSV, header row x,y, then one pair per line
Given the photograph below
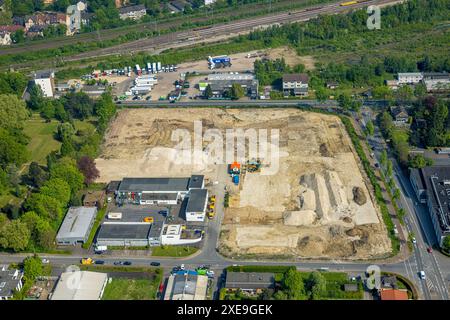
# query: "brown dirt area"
x,y
291,57
305,209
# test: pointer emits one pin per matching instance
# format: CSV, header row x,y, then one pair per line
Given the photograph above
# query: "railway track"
x,y
192,36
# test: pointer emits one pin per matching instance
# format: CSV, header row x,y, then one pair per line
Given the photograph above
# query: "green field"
x,y
42,141
173,251
131,289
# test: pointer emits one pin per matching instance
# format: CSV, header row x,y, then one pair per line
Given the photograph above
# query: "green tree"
x,y
65,131
383,158
293,284
66,170
344,101
36,175
370,128
396,194
419,161
32,268
13,112
58,189
389,168
208,92
45,206
236,92
11,151
317,285
105,109
321,94
14,235
446,244
280,295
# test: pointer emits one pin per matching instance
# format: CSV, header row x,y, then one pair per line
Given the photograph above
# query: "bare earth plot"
x,y
316,205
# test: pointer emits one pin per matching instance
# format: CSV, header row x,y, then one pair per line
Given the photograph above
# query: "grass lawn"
x,y
131,289
173,251
42,141
100,215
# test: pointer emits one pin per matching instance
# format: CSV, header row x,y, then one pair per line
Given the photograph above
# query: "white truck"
x,y
100,249
114,215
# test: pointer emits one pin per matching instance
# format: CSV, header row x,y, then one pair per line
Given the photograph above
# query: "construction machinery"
x,y
253,165
234,168
212,199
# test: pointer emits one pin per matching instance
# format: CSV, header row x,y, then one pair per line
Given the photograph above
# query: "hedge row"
x,y
274,269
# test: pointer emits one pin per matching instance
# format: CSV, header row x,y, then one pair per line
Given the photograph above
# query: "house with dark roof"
x,y
132,12
10,281
295,84
400,115
253,282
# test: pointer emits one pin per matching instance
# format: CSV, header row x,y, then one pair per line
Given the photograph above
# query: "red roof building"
x,y
394,294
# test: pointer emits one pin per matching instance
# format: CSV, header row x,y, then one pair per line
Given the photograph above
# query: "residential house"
x,y
10,281
392,84
208,2
399,115
74,13
295,84
409,77
132,12
5,34
179,5
252,282
45,19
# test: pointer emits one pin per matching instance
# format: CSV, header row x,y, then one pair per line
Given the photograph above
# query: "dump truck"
x,y
87,261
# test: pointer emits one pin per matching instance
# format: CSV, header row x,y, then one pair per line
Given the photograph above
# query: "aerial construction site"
x,y
317,204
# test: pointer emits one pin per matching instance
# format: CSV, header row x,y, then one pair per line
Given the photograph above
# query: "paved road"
x,y
417,222
242,103
190,37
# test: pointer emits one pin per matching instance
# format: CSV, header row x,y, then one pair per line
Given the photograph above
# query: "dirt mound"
x,y
359,196
357,232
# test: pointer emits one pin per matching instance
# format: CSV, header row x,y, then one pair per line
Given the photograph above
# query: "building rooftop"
x,y
409,74
197,200
196,182
296,77
159,196
437,182
249,280
9,279
231,76
153,184
44,74
124,230
393,294
90,286
77,222
128,9
186,285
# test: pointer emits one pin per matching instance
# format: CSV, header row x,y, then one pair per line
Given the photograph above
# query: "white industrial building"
x,y
46,81
186,285
130,234
80,285
409,77
76,226
157,191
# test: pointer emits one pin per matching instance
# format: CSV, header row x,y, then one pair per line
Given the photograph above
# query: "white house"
x,y
74,13
174,234
46,81
409,77
295,84
10,281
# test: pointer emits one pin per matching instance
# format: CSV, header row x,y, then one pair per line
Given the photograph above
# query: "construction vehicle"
x,y
253,165
235,178
211,206
149,219
87,261
234,168
211,214
212,199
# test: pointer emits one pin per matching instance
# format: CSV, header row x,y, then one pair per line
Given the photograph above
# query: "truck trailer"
x,y
221,61
138,70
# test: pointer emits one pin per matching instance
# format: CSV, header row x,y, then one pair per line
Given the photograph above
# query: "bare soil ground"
x,y
305,209
291,57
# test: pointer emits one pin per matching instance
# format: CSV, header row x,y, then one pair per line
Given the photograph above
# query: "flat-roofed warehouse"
x,y
186,285
76,226
196,205
432,185
80,285
157,191
129,234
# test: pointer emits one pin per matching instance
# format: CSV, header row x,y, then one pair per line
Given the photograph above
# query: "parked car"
x,y
210,274
414,241
155,264
118,263
430,250
127,263
46,261
182,267
99,262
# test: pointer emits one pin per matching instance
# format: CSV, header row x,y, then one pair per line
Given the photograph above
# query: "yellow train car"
x,y
348,3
